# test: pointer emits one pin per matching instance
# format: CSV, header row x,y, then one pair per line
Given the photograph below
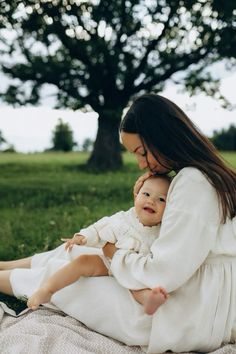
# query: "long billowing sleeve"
x,y
186,238
99,233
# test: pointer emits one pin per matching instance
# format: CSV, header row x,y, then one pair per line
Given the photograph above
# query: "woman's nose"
x,y
142,163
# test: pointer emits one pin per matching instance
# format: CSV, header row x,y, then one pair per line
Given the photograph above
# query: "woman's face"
x,y
145,158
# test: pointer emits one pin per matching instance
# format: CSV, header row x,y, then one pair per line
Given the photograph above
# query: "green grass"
x,y
47,196
44,197
230,157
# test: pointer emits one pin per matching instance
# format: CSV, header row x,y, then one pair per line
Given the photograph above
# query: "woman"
x,y
194,257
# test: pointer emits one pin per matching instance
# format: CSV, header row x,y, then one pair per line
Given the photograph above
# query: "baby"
x,y
135,229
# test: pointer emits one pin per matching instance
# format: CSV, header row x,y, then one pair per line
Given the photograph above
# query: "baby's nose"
x,y
151,200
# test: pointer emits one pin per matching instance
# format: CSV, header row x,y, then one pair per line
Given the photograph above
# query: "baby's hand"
x,y
76,240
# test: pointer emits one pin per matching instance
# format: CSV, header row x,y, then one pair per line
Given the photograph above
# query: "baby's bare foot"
x,y
42,296
156,298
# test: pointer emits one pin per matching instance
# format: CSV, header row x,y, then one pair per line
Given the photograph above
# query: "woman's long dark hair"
x,y
166,130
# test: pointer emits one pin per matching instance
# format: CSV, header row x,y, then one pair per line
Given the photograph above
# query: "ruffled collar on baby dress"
x,y
145,230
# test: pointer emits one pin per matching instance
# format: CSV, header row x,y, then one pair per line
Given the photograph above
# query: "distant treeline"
x,y
62,139
225,139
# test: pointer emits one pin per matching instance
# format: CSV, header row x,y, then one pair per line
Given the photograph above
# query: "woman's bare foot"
x,y
42,296
156,298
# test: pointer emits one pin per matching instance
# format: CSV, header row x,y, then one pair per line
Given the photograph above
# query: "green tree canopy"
x,y
87,144
99,54
62,137
225,139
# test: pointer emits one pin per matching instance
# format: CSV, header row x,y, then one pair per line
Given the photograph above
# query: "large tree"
x,y
101,53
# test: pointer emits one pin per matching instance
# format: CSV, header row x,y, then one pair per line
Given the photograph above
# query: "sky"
x,y
29,129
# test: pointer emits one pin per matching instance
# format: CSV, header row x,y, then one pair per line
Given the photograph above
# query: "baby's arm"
x,y
95,235
77,239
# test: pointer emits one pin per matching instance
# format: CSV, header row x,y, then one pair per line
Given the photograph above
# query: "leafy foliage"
x,y
63,137
87,144
225,139
2,139
4,145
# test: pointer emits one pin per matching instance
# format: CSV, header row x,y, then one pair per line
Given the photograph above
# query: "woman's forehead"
x,y
131,141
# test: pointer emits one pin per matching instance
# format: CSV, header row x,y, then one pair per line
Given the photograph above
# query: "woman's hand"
x,y
140,181
109,250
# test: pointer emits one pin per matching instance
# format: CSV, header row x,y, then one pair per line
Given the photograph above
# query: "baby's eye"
x,y
162,200
146,194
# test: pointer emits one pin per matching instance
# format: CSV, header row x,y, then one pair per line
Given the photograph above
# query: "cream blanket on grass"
x,y
45,331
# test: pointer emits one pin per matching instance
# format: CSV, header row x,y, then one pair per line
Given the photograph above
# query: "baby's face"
x,y
151,201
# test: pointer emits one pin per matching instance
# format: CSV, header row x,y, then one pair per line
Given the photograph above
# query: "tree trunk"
x,y
106,153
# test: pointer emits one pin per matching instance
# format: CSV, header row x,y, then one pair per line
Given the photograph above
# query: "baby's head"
x,y
151,200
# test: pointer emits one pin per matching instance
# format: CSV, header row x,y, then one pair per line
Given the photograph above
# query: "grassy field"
x,y
47,196
44,197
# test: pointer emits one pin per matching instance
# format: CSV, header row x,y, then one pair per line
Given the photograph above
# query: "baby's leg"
x,y
19,263
151,299
84,265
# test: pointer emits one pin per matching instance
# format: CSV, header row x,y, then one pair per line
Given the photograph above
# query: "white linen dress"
x,y
194,258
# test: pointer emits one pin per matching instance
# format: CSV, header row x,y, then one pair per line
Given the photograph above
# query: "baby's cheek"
x,y
161,208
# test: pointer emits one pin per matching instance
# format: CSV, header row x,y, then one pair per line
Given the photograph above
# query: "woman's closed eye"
x,y
144,153
141,151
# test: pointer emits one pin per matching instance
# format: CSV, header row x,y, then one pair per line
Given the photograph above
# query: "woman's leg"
x,y
19,263
151,299
5,285
84,265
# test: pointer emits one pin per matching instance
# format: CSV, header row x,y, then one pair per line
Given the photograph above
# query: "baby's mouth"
x,y
149,210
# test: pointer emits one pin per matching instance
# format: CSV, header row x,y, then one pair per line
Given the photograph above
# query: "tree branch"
x,y
181,63
143,63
